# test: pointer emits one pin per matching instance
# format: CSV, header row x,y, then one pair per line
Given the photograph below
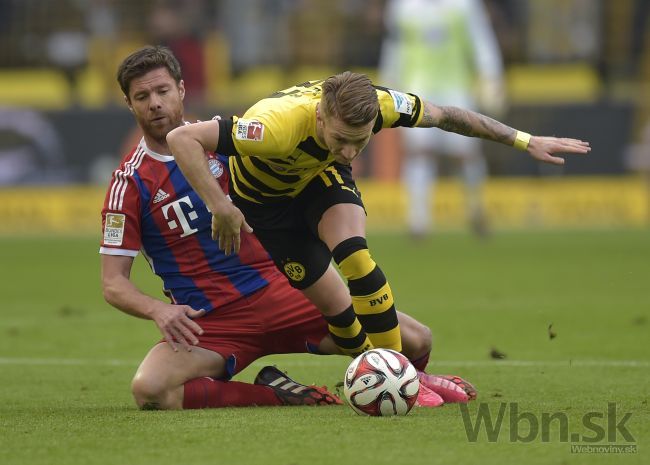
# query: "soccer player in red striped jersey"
x,y
226,310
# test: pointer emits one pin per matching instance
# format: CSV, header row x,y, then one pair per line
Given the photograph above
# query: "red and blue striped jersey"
x,y
150,207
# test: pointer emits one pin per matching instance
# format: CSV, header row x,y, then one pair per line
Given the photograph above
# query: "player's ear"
x,y
128,103
181,89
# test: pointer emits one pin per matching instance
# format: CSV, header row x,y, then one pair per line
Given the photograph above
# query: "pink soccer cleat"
x,y
428,398
449,388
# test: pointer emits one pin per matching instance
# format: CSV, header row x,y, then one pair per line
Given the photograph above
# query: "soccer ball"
x,y
381,382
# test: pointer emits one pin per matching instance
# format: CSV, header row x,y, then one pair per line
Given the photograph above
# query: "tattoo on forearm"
x,y
472,124
427,120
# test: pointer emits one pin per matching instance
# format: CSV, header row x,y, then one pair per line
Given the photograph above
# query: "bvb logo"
x,y
294,271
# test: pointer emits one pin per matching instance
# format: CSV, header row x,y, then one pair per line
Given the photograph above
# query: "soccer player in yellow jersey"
x,y
291,181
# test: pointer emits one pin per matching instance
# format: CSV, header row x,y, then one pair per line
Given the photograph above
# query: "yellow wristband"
x,y
522,139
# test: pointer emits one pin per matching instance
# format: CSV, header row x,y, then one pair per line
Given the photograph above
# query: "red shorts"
x,y
277,319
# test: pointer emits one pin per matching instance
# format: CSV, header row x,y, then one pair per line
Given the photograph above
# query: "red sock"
x,y
212,393
421,363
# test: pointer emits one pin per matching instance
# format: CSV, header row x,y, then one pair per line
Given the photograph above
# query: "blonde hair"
x,y
351,98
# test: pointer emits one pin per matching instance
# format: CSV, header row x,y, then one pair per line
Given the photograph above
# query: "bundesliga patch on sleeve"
x,y
248,129
402,102
114,229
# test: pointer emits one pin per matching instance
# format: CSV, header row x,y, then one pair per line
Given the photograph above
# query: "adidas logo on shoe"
x,y
292,393
285,383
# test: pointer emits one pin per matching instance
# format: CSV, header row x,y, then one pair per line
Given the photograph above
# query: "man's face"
x,y
345,142
156,102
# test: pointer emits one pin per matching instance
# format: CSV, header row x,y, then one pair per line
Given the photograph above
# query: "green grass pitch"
x,y
67,358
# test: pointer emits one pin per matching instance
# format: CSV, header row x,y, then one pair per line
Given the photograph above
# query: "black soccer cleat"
x,y
292,393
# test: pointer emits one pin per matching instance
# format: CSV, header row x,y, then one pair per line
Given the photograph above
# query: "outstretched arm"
x,y
188,145
174,321
472,124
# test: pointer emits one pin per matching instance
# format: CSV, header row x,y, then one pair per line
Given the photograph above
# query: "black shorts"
x,y
288,229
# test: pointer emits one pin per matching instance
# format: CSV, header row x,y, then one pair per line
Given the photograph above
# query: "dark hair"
x,y
351,98
144,60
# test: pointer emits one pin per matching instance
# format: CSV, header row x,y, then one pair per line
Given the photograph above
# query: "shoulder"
x,y
131,161
294,104
123,182
281,109
398,108
275,125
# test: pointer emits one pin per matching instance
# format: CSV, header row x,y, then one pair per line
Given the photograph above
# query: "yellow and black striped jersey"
x,y
275,147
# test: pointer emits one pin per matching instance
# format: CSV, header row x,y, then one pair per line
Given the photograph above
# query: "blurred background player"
x,y
446,52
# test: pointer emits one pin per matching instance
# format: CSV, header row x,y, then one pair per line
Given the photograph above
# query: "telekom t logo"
x,y
180,215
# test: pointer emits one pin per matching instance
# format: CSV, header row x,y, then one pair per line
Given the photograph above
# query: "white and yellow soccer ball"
x,y
381,382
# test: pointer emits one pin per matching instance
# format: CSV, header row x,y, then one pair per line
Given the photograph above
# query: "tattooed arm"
x,y
472,124
466,122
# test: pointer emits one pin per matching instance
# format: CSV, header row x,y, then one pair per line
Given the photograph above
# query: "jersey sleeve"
x,y
121,217
398,109
267,130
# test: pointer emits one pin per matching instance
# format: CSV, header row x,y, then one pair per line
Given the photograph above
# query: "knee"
x,y
424,339
417,340
150,393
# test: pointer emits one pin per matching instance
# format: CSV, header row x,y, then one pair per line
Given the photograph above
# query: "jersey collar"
x,y
155,155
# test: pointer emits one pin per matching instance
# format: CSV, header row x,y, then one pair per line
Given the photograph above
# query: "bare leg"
x,y
158,383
